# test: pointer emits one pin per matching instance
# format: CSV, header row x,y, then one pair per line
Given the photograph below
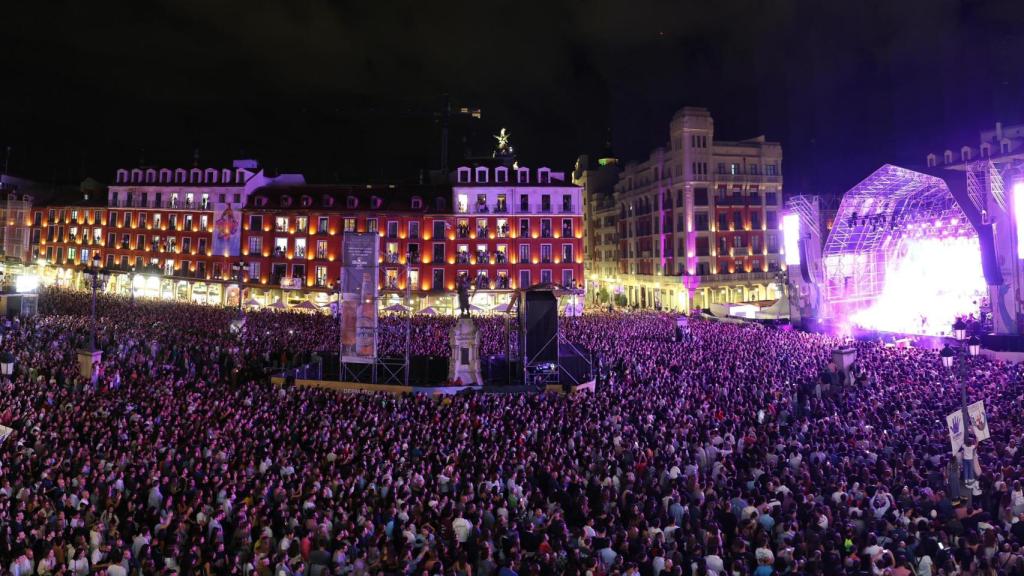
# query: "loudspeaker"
x,y
539,325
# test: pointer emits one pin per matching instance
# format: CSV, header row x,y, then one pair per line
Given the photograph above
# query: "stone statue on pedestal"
x,y
464,364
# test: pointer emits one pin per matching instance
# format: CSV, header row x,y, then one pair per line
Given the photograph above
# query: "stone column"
x,y
464,363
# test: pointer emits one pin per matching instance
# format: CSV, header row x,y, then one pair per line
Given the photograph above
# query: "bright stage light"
x,y
1018,216
791,238
933,281
26,283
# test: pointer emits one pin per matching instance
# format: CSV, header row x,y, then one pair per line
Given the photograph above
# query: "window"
x,y
545,276
439,229
281,224
437,279
524,203
188,222
172,221
524,279
700,196
502,205
114,219
140,242
703,246
755,219
255,223
524,253
392,229
755,243
773,244
254,270
772,221
142,220
734,169
723,221
545,253
700,221
154,244
350,225
321,275
567,228
52,215
481,203
186,245
737,220
771,170
321,225
321,249
301,224
125,241
299,272
280,247
204,222
545,203
202,246
721,167
255,245
567,203
156,220
567,253
723,245
524,228
300,247
371,225
72,251
567,277
738,241
414,253
462,203
172,244
111,239
545,228
439,252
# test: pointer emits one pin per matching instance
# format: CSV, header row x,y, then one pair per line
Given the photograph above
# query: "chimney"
x,y
999,131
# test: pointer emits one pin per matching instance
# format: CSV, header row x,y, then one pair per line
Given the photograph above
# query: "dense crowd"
x,y
427,335
734,449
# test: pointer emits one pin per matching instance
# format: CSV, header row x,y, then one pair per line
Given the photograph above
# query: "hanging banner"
x,y
955,425
359,297
979,420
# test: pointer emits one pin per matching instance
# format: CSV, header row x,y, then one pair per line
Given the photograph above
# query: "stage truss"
x,y
875,220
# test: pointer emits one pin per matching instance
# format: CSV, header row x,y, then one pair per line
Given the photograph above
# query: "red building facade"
x,y
227,236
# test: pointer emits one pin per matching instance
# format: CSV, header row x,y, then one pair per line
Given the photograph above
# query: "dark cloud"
x,y
349,89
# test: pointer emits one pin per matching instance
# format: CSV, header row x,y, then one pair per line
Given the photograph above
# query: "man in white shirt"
x,y
461,527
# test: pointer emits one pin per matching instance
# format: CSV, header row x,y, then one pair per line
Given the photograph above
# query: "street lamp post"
x,y
94,273
131,286
966,348
240,270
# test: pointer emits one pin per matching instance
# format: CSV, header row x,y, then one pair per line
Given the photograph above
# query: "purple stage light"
x,y
935,280
791,238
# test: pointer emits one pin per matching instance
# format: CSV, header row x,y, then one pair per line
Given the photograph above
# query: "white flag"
x,y
979,420
955,425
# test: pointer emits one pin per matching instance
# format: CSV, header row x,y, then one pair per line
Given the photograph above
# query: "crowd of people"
x,y
731,450
427,335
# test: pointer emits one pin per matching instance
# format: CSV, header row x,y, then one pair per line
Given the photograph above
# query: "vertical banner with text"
x,y
979,420
359,297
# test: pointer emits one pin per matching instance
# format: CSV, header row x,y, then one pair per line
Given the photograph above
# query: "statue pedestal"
x,y
464,363
86,360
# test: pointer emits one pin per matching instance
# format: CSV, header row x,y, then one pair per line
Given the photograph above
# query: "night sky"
x,y
349,91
